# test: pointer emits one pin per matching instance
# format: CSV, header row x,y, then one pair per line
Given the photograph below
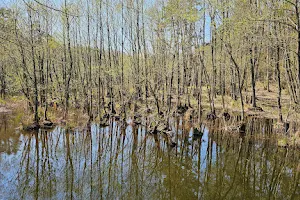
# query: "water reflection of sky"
x,y
115,163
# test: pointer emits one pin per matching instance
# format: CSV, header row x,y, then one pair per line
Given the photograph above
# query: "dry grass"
x,y
18,106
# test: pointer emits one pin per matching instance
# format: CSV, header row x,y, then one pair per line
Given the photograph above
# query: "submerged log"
x,y
163,129
32,127
47,124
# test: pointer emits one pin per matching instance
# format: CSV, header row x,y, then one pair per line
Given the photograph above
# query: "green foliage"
x,y
181,10
163,46
53,44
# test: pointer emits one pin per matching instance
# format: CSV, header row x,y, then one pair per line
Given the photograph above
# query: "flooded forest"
x,y
149,99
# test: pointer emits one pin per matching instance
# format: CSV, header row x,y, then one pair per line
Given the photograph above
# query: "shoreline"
x,y
77,118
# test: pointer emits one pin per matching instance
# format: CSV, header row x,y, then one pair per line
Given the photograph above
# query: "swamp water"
x,y
126,162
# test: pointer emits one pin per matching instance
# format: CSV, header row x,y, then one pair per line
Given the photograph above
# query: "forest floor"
x,y
267,100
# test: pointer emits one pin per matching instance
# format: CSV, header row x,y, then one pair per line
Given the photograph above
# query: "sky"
x,y
57,4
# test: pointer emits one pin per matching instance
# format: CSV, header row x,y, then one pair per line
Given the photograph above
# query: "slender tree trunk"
x,y
90,86
253,81
3,82
36,103
279,83
69,71
298,42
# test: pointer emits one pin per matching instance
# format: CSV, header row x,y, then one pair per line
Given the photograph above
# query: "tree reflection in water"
x,y
119,162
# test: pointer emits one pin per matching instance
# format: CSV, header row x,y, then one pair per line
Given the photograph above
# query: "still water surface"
x,y
125,162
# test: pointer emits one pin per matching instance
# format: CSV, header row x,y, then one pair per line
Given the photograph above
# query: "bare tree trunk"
x,y
253,81
69,71
279,83
36,103
3,82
